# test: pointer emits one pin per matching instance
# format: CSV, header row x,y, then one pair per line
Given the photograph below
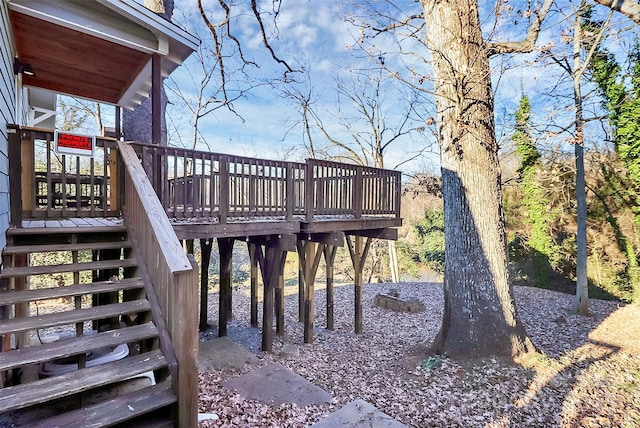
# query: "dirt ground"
x,y
586,374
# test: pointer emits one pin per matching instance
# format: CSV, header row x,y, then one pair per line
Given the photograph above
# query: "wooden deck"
x,y
73,222
204,195
275,206
164,195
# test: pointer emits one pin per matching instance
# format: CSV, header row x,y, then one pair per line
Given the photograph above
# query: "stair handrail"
x,y
174,276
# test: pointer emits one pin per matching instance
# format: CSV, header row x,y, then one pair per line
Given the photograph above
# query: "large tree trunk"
x,y
480,316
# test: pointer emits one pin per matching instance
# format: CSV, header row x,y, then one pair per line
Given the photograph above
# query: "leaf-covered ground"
x,y
586,375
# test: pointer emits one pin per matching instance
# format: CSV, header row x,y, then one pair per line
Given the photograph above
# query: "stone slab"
x,y
358,414
223,353
275,384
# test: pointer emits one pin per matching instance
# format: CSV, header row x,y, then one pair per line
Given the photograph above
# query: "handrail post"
x,y
184,328
398,192
290,192
358,186
15,174
115,181
223,208
309,183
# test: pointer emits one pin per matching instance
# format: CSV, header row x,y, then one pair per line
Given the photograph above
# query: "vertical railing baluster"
x,y
174,198
397,193
192,193
223,209
289,193
357,193
212,185
64,182
78,188
50,191
92,182
309,190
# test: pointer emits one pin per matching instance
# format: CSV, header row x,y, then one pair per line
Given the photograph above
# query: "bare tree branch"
x,y
628,8
256,13
529,42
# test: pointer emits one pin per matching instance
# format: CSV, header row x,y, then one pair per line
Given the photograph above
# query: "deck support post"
x,y
21,309
301,288
156,99
253,263
205,250
188,246
271,262
15,175
272,266
311,247
107,298
225,248
267,304
329,259
309,253
156,123
358,253
279,299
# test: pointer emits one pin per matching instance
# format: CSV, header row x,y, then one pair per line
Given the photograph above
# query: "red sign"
x,y
75,144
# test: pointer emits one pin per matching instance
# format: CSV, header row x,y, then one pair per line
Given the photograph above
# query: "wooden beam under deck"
x,y
381,228
203,230
351,224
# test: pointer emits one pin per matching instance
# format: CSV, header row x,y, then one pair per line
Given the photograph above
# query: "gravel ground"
x,y
586,375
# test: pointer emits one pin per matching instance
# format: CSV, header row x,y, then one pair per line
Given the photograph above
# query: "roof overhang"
x,y
95,49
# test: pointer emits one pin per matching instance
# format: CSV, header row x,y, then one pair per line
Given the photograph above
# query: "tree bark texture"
x,y
582,285
480,316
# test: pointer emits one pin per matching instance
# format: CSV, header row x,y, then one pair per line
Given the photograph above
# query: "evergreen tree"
x,y
621,99
540,243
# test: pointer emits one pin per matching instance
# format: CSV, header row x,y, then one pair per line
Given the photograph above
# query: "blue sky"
x,y
314,35
310,35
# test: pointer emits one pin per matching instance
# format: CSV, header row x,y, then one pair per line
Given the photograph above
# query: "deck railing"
x,y
339,189
193,184
54,185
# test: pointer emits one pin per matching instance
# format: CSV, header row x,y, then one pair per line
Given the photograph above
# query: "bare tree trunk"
x,y
480,316
163,8
582,289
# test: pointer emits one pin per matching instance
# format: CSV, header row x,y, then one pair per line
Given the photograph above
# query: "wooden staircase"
x,y
108,302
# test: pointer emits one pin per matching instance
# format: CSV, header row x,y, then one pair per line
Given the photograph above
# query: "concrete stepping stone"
x,y
223,353
275,384
358,414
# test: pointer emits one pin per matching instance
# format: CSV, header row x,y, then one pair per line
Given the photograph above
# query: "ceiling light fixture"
x,y
26,69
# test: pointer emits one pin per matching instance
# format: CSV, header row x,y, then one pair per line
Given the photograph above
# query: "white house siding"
x,y
7,115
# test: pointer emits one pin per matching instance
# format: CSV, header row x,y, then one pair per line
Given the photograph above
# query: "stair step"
x,y
21,231
13,297
15,325
74,346
156,424
84,246
29,394
11,272
116,410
